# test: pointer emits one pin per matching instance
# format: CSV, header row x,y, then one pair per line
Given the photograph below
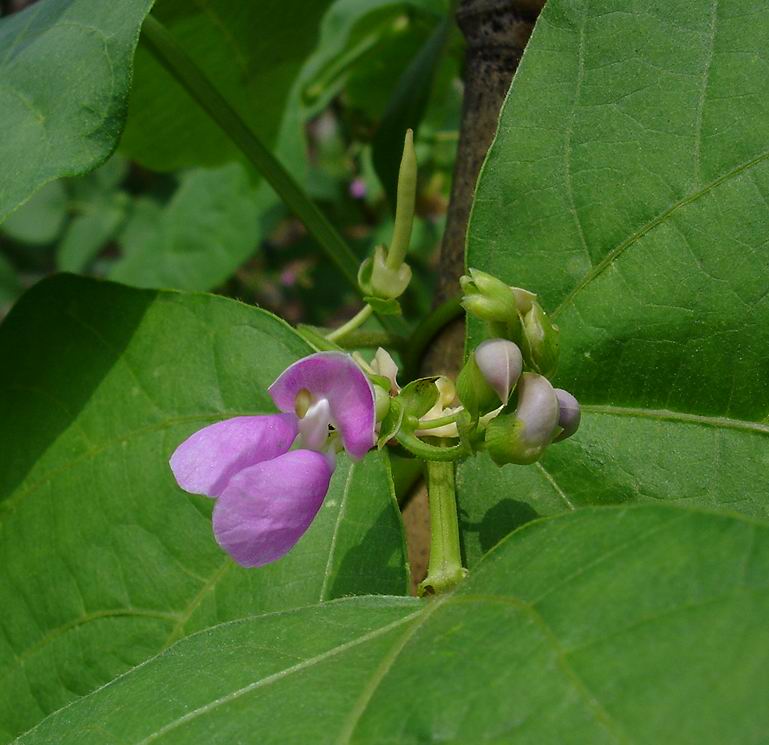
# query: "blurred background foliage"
x,y
178,207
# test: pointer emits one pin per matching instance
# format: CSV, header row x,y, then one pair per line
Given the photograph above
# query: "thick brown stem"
x,y
496,32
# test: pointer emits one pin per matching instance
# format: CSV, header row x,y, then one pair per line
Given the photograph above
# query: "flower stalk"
x,y
440,421
444,570
354,323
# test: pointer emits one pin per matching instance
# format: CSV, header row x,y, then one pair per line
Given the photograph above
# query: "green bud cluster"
x,y
515,314
512,370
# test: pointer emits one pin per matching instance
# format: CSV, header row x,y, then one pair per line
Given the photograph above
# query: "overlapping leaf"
x,y
65,70
629,186
248,51
209,227
640,625
104,561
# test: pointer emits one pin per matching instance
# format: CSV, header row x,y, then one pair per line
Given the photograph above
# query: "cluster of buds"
x,y
512,409
513,414
513,313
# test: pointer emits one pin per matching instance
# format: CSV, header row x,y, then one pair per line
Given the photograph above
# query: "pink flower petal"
x,y
335,377
206,461
266,508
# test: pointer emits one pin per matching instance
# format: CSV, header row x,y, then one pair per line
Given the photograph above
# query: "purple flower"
x,y
357,188
268,493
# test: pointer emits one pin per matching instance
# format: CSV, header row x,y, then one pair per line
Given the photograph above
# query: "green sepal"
x,y
475,394
364,276
382,398
380,380
430,452
391,424
540,342
470,434
418,397
505,444
384,307
377,279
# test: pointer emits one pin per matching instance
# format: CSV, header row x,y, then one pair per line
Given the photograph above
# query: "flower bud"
x,y
523,436
378,280
475,393
383,364
488,298
523,299
500,363
569,414
540,341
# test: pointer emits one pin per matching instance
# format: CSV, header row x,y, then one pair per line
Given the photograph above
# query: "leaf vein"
x,y
606,262
332,547
666,415
275,677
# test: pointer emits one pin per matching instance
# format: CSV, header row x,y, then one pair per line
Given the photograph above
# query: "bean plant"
x,y
201,532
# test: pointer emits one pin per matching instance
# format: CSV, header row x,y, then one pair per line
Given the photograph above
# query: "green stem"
x,y
429,452
371,339
424,333
444,570
441,421
361,339
359,318
181,66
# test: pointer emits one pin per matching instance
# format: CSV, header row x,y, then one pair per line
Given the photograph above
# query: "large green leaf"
x,y
628,185
642,625
208,228
65,69
104,561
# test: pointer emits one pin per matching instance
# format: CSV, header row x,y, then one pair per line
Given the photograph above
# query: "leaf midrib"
x,y
667,415
332,548
653,223
274,677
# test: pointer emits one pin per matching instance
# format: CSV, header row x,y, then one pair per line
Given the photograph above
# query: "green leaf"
x,y
628,187
250,51
65,67
642,625
88,233
351,31
208,228
41,219
104,561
